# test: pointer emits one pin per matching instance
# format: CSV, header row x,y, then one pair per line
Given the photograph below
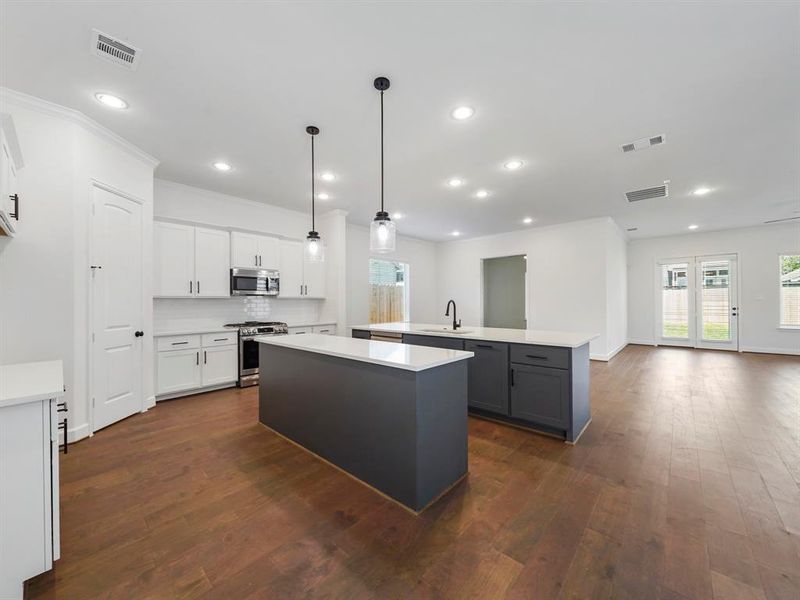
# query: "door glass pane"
x,y
716,300
675,301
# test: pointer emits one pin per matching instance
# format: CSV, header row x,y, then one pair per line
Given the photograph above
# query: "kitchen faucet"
x,y
456,324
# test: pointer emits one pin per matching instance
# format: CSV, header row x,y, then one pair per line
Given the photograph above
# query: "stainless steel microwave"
x,y
254,282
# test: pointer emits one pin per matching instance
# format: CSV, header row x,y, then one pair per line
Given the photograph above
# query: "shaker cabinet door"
x,y
540,395
174,260
177,370
488,376
212,260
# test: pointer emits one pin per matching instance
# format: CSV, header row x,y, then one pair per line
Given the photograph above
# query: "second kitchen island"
x,y
392,416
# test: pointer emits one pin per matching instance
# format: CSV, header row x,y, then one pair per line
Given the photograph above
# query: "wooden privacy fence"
x,y
386,303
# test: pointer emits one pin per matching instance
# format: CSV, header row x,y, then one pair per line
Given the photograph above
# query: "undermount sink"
x,y
447,330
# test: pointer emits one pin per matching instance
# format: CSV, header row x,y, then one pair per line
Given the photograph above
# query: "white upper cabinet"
x,y
191,262
174,260
249,250
299,279
211,263
10,163
291,269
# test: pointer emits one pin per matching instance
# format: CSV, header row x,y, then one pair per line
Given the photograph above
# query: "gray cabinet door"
x,y
540,395
362,334
434,341
488,376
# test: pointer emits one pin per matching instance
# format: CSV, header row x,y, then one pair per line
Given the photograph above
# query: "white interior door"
x,y
696,302
212,262
716,302
117,307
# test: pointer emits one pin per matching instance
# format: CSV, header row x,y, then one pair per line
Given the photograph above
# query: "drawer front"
x,y
542,356
540,395
178,342
488,376
300,330
433,341
361,334
324,329
220,339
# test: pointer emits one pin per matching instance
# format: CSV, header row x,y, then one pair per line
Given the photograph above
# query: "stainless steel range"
x,y
248,347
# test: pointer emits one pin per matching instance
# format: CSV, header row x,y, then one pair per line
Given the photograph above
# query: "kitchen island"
x,y
529,378
392,416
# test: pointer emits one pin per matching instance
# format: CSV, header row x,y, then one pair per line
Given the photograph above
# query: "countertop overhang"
x,y
564,339
31,382
388,354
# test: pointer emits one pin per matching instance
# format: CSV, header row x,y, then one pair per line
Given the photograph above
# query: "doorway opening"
x,y
505,291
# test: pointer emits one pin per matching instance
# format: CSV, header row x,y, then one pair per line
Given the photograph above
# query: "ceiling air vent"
x,y
661,191
114,50
643,143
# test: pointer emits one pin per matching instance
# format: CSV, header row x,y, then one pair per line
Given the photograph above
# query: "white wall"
x,y
44,270
567,277
418,254
758,249
616,289
196,205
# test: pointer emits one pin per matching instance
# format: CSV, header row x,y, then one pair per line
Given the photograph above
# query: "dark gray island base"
x,y
539,387
402,432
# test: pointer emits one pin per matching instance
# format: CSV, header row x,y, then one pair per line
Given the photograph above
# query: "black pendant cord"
x,y
382,210
313,195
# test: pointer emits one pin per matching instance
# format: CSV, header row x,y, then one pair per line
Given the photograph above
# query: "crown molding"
x,y
62,112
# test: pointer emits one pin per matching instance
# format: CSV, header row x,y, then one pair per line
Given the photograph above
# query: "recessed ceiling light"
x,y
397,216
513,165
328,176
701,191
482,194
463,112
527,220
323,196
455,182
222,166
111,100
693,226
456,233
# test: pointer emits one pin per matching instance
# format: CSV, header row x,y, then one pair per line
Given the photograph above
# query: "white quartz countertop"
x,y
388,354
222,329
564,339
31,382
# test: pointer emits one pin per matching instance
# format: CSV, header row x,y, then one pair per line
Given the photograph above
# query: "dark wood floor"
x,y
686,485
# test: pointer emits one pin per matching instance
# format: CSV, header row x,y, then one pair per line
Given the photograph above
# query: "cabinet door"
x,y
268,252
8,180
314,279
220,364
488,376
212,262
291,269
173,259
540,395
244,250
434,341
177,370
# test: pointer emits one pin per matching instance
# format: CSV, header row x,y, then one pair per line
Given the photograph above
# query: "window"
x,y
790,290
388,291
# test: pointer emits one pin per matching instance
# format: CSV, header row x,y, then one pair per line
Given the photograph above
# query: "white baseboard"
x,y
789,351
74,433
150,403
609,356
642,342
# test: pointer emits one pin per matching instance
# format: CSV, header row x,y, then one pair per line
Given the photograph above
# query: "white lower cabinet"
x,y
193,362
324,329
220,365
296,330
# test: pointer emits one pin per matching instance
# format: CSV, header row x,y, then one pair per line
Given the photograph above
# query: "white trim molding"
x,y
787,351
77,117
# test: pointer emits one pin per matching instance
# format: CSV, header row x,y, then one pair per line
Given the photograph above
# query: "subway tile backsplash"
x,y
190,313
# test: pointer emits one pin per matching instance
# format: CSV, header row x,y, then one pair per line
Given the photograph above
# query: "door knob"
x,y
139,333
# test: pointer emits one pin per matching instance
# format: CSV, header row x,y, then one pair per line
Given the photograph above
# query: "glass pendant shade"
x,y
314,249
381,234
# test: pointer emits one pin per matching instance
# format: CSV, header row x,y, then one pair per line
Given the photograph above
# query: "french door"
x,y
696,302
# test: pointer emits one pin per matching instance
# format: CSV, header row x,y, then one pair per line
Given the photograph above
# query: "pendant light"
x,y
381,230
314,250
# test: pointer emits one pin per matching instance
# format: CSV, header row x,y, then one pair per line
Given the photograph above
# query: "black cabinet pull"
x,y
512,377
198,286
205,357
15,214
190,286
198,359
536,356
179,343
484,346
139,333
221,340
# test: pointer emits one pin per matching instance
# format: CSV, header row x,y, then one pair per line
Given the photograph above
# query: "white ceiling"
x,y
560,86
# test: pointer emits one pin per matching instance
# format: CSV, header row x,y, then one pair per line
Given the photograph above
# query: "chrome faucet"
x,y
456,324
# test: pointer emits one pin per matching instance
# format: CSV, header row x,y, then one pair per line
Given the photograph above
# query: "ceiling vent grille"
x,y
661,191
647,142
114,50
